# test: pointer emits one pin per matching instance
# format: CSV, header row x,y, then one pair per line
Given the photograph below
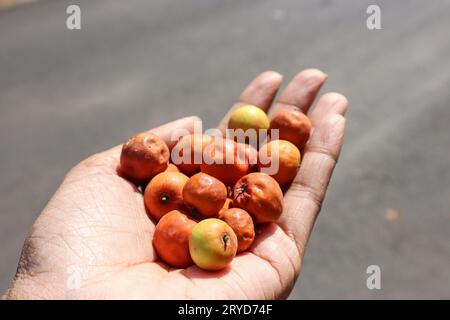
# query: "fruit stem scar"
x,y
225,240
241,190
165,198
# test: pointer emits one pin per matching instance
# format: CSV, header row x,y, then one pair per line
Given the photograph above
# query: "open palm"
x,y
93,240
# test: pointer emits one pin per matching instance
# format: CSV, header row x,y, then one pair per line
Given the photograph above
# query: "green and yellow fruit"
x,y
248,117
212,244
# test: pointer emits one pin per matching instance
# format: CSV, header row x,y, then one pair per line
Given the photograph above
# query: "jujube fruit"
x,y
260,195
242,224
172,168
212,244
194,144
293,126
164,193
143,156
171,239
205,193
223,163
286,154
249,153
248,117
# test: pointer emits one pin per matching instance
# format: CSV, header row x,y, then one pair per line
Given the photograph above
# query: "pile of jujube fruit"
x,y
206,212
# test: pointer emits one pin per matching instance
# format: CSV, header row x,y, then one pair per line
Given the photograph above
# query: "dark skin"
x,y
96,224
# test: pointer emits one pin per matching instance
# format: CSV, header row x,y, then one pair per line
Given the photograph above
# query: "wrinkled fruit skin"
x,y
217,153
143,156
248,117
212,244
242,224
171,239
288,157
164,193
195,143
205,193
293,125
260,195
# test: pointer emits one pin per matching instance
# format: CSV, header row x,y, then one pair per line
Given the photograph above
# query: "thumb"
x,y
107,161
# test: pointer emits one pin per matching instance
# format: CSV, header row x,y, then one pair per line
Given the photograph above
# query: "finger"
x,y
331,102
304,198
109,159
260,92
301,91
165,131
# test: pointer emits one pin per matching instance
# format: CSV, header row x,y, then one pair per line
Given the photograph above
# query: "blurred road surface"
x,y
136,64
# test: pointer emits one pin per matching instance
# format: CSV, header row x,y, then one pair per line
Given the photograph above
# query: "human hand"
x,y
93,239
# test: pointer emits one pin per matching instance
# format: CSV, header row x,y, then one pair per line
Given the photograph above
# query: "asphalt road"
x,y
136,64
